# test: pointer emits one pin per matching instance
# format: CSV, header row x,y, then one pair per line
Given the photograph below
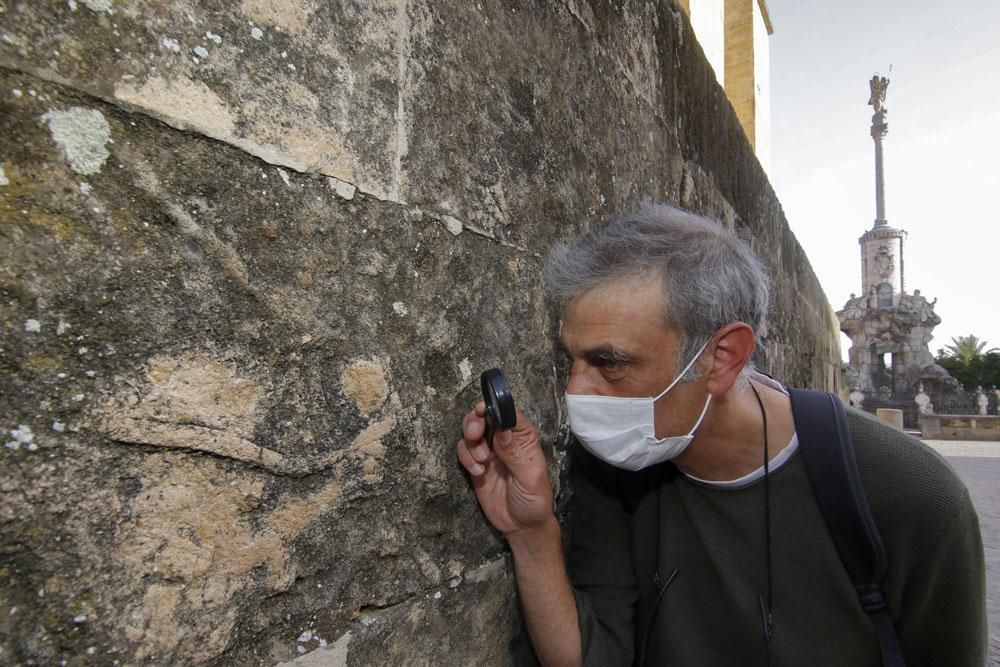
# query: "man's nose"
x,y
578,382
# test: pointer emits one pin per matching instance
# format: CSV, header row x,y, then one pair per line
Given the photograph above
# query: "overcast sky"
x,y
941,153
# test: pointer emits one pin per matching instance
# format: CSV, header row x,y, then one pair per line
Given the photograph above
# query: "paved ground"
x,y
979,465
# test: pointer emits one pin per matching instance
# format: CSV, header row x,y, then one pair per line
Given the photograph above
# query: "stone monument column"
x,y
882,245
889,329
878,86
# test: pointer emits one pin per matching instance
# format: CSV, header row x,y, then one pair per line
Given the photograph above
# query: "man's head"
x,y
707,276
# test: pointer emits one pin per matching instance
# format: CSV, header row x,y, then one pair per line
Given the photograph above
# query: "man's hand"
x,y
512,484
511,480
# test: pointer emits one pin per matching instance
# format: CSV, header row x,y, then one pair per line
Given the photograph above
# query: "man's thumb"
x,y
507,449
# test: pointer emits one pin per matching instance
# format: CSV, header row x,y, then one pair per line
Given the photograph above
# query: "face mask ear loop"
x,y
684,372
704,411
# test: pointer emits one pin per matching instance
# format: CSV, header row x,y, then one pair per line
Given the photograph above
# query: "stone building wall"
x,y
252,258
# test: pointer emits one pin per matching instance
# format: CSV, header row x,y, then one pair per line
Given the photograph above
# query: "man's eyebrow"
x,y
607,353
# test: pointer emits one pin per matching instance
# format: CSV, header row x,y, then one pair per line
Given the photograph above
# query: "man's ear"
x,y
734,344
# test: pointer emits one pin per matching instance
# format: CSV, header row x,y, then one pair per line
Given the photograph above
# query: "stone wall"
x,y
252,258
960,427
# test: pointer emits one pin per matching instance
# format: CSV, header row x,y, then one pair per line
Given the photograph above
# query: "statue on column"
x,y
981,400
857,399
878,86
923,401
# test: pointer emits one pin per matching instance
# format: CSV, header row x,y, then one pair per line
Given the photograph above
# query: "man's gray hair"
x,y
710,276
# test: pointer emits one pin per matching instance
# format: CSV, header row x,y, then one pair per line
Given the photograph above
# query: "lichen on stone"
x,y
82,134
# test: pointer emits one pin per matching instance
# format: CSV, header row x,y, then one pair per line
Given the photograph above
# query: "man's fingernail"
x,y
506,437
476,469
480,454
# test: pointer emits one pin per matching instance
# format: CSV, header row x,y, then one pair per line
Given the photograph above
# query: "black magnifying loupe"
x,y
500,413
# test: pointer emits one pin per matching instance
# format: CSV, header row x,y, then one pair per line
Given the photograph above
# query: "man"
x,y
695,537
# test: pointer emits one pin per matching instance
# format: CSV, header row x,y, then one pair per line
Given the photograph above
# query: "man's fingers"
x,y
465,457
474,425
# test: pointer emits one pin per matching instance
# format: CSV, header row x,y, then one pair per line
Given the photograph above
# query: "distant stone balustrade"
x,y
960,427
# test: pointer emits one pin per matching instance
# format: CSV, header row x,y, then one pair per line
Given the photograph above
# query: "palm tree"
x,y
968,348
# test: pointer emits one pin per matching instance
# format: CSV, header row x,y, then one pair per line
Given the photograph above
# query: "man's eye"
x,y
611,366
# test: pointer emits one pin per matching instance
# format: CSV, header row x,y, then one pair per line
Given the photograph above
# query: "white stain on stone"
x,y
58,427
400,308
213,37
105,6
453,224
465,368
284,175
200,51
335,655
22,435
343,189
62,327
82,134
32,326
3,178
257,33
172,44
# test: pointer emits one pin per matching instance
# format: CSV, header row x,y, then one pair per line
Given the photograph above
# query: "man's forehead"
x,y
618,303
625,323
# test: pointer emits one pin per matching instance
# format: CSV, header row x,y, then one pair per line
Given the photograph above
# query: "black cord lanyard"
x,y
765,605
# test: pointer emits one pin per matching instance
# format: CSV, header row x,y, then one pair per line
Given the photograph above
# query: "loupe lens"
x,y
499,401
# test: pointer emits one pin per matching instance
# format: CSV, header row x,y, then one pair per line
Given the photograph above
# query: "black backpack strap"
x,y
825,443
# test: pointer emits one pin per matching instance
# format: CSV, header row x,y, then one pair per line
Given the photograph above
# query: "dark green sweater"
x,y
714,539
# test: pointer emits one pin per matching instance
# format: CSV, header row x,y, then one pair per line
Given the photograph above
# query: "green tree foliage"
x,y
966,348
967,362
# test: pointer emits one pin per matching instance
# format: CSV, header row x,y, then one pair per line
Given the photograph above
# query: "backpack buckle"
x,y
872,598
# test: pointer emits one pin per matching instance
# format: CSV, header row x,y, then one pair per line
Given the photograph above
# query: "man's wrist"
x,y
531,539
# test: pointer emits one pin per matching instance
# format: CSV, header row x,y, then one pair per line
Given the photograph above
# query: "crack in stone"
x,y
184,221
210,441
482,573
574,11
227,257
403,56
572,8
507,244
228,445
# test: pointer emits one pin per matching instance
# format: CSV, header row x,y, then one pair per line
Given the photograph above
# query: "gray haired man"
x,y
695,538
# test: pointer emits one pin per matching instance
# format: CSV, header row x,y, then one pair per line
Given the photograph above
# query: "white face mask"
x,y
621,431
